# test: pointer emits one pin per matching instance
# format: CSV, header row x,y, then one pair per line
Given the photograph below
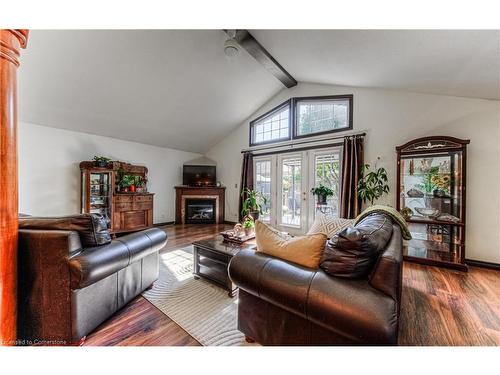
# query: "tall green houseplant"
x,y
373,184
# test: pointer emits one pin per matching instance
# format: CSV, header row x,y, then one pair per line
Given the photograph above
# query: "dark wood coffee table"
x,y
211,258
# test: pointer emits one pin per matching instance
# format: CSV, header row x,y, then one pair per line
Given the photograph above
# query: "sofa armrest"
x,y
387,275
96,263
282,283
141,244
44,282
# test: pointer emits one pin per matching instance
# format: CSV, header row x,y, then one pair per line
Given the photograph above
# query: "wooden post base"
x,y
249,340
79,342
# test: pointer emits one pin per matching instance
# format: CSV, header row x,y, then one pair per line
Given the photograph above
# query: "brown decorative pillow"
x,y
353,252
92,228
329,226
303,250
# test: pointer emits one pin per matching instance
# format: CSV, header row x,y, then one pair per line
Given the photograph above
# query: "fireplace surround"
x,y
199,196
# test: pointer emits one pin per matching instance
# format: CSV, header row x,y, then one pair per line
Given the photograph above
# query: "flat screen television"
x,y
199,175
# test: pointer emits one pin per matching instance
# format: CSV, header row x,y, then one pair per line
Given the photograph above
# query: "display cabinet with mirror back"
x,y
431,196
117,191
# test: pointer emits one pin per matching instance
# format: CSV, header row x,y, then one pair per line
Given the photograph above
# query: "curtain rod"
x,y
273,146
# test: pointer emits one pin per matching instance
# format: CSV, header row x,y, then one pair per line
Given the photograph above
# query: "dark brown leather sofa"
x,y
281,303
65,289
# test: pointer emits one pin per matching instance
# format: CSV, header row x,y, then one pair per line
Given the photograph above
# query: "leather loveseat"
x,y
281,303
66,288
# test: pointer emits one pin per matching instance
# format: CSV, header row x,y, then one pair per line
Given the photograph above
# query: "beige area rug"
x,y
204,310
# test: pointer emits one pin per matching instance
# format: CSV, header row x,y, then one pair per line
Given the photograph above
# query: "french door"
x,y
286,180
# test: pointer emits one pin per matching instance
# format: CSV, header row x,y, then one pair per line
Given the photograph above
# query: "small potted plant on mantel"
x,y
253,203
322,193
101,161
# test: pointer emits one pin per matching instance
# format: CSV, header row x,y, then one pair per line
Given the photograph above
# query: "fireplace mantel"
x,y
192,192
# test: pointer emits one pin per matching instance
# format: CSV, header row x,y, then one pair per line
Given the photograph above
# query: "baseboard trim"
x,y
230,222
479,263
163,224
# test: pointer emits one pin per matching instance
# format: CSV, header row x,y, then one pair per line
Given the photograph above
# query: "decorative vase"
x,y
439,193
255,215
101,164
132,188
248,231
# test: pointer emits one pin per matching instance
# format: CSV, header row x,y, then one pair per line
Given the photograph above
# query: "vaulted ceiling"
x,y
446,62
177,89
166,88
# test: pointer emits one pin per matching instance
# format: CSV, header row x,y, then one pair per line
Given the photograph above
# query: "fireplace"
x,y
200,205
200,211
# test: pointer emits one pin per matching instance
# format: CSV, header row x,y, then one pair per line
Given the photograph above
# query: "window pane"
x,y
322,115
263,184
290,191
327,173
274,127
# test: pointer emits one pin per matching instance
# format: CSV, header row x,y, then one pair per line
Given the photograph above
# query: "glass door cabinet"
x,y
431,197
97,192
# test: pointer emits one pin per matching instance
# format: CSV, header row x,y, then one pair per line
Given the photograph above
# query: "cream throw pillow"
x,y
329,226
303,250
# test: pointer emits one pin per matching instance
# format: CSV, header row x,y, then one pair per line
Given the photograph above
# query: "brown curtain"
x,y
246,179
352,163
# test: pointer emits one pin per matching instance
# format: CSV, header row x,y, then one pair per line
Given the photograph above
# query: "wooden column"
x,y
11,41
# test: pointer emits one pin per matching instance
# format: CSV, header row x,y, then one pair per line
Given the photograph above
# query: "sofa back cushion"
x,y
92,228
353,252
303,250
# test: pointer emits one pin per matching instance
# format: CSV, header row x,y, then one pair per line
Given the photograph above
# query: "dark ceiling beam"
x,y
259,53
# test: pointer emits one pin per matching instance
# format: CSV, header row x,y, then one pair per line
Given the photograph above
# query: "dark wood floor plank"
x,y
439,306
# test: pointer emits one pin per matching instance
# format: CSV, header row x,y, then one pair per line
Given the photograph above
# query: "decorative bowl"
x,y
429,212
415,193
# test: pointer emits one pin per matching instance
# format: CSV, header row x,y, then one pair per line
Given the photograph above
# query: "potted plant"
x,y
248,226
372,185
101,161
140,184
253,203
322,193
125,183
132,184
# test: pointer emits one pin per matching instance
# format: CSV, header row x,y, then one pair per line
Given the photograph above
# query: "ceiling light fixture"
x,y
231,46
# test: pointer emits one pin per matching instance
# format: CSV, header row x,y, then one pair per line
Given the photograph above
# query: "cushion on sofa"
x,y
303,250
92,228
352,253
329,226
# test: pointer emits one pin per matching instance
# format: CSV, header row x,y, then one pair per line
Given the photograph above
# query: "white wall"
x,y
392,118
49,175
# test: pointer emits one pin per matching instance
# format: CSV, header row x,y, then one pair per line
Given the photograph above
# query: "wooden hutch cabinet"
x,y
431,195
126,211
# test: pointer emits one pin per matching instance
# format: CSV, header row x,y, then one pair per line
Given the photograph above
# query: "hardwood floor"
x,y
439,306
141,323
